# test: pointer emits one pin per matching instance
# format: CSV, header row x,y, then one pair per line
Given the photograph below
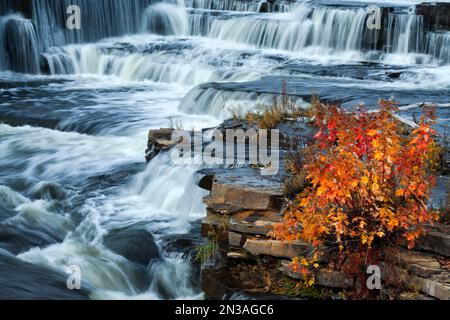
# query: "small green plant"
x,y
207,252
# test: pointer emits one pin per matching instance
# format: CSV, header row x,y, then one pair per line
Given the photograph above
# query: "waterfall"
x,y
72,137
90,59
438,46
3,55
324,28
105,18
220,103
299,27
166,19
200,22
18,45
405,33
240,5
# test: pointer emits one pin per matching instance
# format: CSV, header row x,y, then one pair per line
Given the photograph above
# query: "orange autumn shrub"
x,y
366,180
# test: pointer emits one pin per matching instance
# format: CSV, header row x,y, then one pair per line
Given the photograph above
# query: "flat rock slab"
x,y
253,192
221,208
436,240
276,248
418,263
323,277
433,288
255,222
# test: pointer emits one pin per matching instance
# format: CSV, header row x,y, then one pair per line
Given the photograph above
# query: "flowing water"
x,y
76,106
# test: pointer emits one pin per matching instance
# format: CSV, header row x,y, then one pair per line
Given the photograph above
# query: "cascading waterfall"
x,y
89,59
18,45
438,45
3,55
105,18
307,29
165,19
405,33
74,128
221,104
200,22
324,28
239,5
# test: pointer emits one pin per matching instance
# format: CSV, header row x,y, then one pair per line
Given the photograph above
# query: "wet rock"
x,y
220,208
20,280
323,277
255,222
436,15
158,140
264,7
205,177
394,75
206,182
134,243
48,191
275,248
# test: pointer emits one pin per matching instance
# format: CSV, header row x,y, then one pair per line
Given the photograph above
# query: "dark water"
x,y
75,108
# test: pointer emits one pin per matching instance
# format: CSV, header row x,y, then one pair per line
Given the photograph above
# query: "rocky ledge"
x,y
243,206
240,216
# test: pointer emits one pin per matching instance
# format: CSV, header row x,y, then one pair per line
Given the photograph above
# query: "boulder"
x,y
276,248
134,243
436,15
